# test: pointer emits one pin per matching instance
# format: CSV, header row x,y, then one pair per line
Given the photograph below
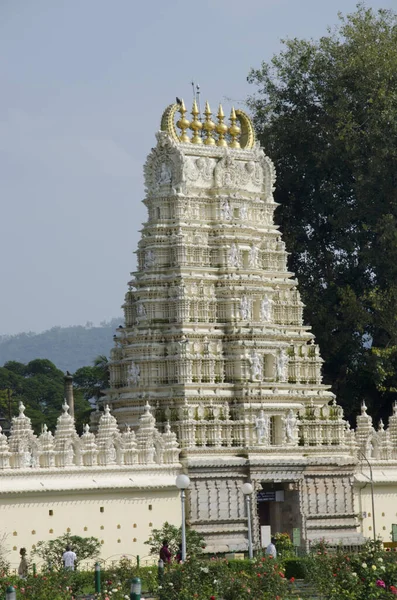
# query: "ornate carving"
x,y
134,373
266,309
256,366
245,308
234,256
282,365
262,428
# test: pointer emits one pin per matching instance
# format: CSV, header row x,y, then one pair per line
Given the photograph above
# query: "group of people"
x,y
69,559
165,553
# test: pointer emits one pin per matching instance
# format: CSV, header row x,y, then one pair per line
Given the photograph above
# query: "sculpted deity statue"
x,y
256,366
149,259
245,308
282,365
266,309
226,210
133,374
262,428
253,256
234,256
290,422
244,212
164,175
140,310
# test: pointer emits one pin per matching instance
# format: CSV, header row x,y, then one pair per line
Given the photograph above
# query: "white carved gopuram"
x,y
214,340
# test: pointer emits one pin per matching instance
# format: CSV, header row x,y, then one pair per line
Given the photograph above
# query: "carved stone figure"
x,y
234,256
253,256
282,365
149,259
226,211
245,308
256,366
141,311
266,309
164,175
244,212
133,374
290,422
262,428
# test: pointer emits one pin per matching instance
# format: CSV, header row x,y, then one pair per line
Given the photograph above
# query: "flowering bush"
x,y
368,575
371,573
219,578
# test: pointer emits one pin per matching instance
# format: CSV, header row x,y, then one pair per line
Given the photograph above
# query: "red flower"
x,y
258,574
393,589
281,574
212,597
292,579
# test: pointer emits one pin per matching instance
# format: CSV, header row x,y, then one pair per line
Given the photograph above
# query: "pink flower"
x,y
380,583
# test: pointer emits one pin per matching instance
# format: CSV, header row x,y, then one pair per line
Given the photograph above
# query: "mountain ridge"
x,y
69,348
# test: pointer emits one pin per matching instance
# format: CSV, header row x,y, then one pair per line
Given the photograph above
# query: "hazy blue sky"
x,y
83,86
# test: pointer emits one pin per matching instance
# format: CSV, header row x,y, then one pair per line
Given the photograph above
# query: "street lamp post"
x,y
362,455
247,490
182,482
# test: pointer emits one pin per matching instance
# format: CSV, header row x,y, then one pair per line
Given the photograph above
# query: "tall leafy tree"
x,y
92,380
326,113
40,386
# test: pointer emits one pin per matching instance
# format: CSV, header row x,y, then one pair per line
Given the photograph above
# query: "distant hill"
x,y
69,348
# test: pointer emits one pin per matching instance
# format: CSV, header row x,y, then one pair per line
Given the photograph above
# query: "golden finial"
x,y
183,124
234,130
196,125
208,126
221,128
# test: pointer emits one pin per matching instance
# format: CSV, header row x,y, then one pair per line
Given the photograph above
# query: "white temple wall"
x,y
122,520
385,501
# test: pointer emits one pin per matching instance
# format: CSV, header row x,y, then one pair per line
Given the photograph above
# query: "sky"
x,y
83,87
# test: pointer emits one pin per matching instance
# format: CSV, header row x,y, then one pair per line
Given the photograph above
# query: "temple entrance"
x,y
278,509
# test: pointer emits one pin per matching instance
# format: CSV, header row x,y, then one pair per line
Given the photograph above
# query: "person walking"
x,y
178,555
69,558
23,565
165,554
271,549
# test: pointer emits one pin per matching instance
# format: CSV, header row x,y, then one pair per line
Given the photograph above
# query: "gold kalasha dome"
x,y
239,134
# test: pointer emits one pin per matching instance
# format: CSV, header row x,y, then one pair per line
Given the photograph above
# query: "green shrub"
x,y
295,567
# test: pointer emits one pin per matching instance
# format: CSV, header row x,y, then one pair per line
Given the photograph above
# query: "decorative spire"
x,y
208,126
234,130
196,125
183,124
241,130
221,128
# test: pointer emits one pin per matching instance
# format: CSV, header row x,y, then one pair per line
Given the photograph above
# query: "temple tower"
x,y
214,339
212,315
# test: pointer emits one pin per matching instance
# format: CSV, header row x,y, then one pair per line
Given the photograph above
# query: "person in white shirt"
x,y
69,558
271,549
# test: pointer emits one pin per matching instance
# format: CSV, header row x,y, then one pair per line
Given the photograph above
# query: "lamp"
x,y
247,490
182,482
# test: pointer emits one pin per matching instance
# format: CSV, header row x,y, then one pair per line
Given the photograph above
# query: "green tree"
x,y
92,380
326,113
40,386
86,548
194,541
